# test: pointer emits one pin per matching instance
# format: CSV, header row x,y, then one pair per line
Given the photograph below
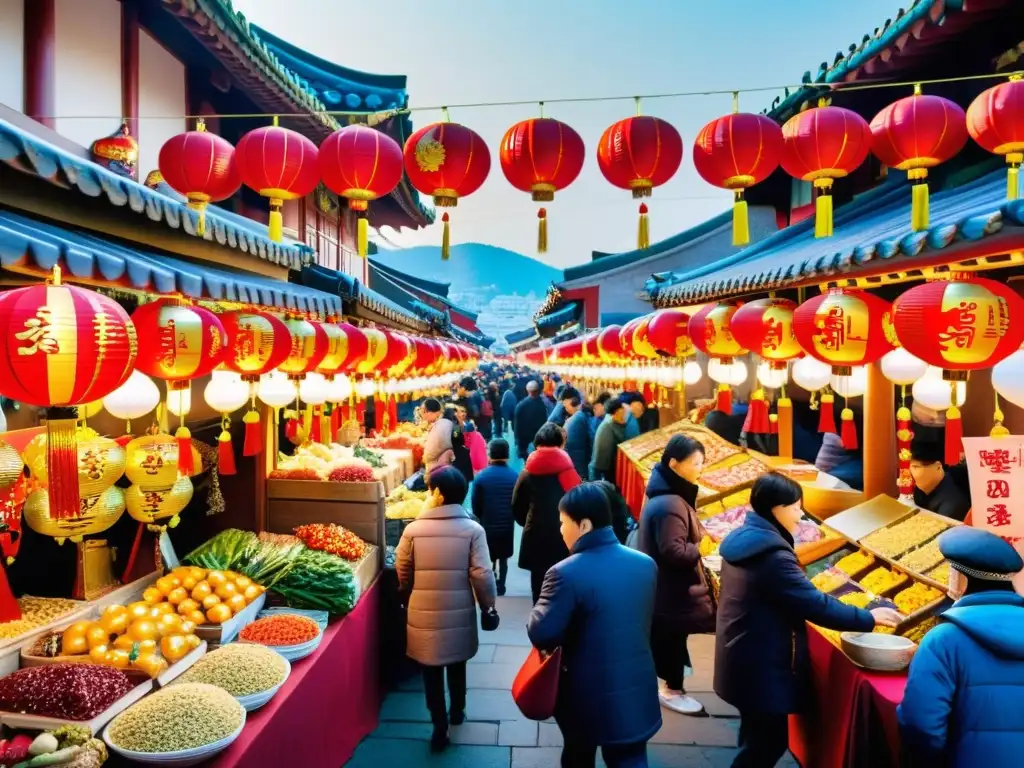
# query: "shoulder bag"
x,y
535,689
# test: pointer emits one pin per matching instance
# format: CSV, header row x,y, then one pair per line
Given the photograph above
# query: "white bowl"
x,y
254,701
179,759
884,653
301,651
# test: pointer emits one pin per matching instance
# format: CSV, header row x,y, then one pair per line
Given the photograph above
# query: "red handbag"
x,y
535,689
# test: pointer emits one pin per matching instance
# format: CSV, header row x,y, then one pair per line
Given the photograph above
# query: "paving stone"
x,y
484,655
401,730
549,735
517,733
498,676
722,758
407,707
414,683
514,635
511,654
536,757
485,734
378,753
669,756
703,731
714,706
490,705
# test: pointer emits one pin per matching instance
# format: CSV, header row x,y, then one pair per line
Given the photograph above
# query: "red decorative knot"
x,y
445,217
643,208
542,213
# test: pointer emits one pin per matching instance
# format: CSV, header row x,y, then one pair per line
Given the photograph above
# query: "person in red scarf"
x,y
549,473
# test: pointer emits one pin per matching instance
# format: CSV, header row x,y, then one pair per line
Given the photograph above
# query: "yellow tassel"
x,y
823,211
446,239
200,208
542,231
363,235
740,220
307,420
1013,182
275,225
643,232
919,207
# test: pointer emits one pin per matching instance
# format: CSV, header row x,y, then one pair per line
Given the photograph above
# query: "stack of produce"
x,y
403,504
915,598
217,595
374,458
333,539
281,630
241,669
263,558
176,718
881,580
351,474
855,562
319,581
402,442
37,612
313,461
900,538
67,691
70,746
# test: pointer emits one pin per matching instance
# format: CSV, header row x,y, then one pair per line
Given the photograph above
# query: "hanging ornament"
x,y
914,134
765,327
541,156
360,164
278,164
201,166
160,488
669,332
64,346
903,369
736,152
711,332
132,400
225,394
640,153
609,344
641,342
995,119
820,145
309,346
446,161
376,350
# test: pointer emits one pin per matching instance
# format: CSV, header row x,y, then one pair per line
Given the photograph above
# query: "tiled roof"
x,y
567,313
518,337
873,236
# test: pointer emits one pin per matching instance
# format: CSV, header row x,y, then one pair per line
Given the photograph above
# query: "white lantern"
x,y
853,385
133,399
226,392
313,389
1008,378
772,378
811,374
179,401
275,389
365,388
733,374
692,373
932,391
902,368
339,388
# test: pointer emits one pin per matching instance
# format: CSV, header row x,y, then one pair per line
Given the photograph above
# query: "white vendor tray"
x,y
39,723
220,634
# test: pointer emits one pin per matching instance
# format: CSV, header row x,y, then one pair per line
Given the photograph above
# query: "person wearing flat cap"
x,y
964,702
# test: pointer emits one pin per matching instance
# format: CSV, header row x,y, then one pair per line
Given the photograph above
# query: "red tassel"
x,y
225,454
758,414
773,424
292,430
335,421
393,413
724,399
314,431
954,436
123,440
253,445
186,466
849,430
827,415
62,463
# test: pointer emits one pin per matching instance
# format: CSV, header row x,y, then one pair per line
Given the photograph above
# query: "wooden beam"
x,y
879,445
41,61
130,66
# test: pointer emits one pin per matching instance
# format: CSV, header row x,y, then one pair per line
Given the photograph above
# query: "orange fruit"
x,y
98,655
251,593
242,582
177,595
209,601
218,614
169,624
187,627
201,590
216,578
197,573
118,659
161,608
96,635
114,609
114,623
174,648
153,595
167,583
143,629
189,583
236,603
73,643
185,607
193,641
197,617
139,611
226,590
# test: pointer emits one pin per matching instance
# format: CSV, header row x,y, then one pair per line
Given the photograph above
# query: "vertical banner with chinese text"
x,y
995,467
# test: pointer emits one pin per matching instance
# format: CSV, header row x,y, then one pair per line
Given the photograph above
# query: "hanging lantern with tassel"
x,y
178,342
161,488
903,369
201,166
914,134
541,156
360,164
711,332
446,161
821,145
278,164
736,152
959,325
225,394
132,400
640,153
63,346
995,119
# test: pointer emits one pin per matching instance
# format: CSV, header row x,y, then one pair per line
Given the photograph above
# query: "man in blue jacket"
x,y
964,703
578,441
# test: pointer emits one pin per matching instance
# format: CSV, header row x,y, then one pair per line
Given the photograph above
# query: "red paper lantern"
x,y
590,347
446,161
376,350
844,328
279,164
309,346
996,121
638,154
201,166
397,348
337,349
178,341
669,332
914,134
765,327
710,331
541,156
360,164
357,347
425,353
735,152
641,343
626,338
821,145
609,344
63,346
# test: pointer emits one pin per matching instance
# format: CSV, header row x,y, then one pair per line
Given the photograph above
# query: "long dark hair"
x,y
680,448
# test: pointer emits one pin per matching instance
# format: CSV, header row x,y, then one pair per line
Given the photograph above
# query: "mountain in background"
x,y
476,271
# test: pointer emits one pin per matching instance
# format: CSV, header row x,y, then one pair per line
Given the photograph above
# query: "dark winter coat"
x,y
578,443
596,605
492,504
548,475
508,405
946,499
606,448
670,534
761,659
558,414
964,703
530,416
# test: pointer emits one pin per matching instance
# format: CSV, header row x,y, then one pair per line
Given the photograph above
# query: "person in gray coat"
x,y
597,606
442,563
606,442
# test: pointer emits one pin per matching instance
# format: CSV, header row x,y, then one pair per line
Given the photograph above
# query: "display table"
x,y
852,723
630,482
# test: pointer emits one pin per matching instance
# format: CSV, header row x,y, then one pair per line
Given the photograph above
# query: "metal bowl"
x,y
884,653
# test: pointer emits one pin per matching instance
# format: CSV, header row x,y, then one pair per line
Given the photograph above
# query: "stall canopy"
x,y
33,247
873,238
358,299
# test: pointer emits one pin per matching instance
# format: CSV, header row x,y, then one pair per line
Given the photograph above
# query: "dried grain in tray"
x,y
897,539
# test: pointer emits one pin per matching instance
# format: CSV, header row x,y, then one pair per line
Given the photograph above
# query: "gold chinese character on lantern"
x,y
39,334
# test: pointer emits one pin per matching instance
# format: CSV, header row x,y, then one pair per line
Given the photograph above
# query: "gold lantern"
x,y
96,514
152,461
11,465
101,461
155,505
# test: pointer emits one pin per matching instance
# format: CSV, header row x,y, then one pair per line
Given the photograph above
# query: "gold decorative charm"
x,y
430,154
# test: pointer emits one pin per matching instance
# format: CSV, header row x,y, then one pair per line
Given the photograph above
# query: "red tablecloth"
x,y
329,704
853,722
630,482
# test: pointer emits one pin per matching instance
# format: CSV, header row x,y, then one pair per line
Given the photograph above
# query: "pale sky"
x,y
468,52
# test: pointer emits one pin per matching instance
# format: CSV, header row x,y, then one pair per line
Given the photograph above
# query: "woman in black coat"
x,y
670,534
761,661
549,473
492,504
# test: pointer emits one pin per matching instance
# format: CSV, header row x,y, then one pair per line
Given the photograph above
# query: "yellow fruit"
x,y
143,629
189,583
163,608
236,603
201,590
124,643
174,648
187,627
114,609
197,617
73,643
114,623
216,578
96,635
117,659
242,582
209,601
218,614
226,590
185,607
153,596
139,611
251,593
169,624
177,595
193,641
197,573
98,655
151,663
166,584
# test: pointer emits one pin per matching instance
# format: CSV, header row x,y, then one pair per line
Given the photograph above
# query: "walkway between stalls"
x,y
496,735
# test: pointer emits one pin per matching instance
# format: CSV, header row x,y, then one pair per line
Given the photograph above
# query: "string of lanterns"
x,y
542,156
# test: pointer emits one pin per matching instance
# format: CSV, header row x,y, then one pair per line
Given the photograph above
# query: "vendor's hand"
x,y
886,617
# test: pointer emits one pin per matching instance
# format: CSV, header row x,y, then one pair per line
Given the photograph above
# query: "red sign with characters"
x,y
995,466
